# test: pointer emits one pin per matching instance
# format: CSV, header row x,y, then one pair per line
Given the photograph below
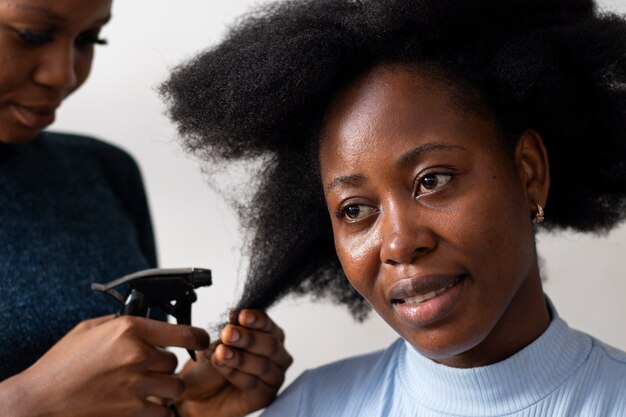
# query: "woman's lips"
x,y
429,296
35,117
425,300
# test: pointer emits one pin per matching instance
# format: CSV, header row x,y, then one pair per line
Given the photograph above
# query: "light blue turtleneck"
x,y
564,373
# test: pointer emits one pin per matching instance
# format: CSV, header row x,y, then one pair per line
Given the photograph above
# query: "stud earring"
x,y
539,217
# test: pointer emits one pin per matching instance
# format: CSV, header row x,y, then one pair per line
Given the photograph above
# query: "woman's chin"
x,y
450,345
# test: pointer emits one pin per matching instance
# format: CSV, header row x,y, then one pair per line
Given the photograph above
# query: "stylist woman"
x,y
73,211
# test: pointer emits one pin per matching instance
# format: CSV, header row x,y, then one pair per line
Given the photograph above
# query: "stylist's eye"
x,y
432,182
88,39
355,212
35,38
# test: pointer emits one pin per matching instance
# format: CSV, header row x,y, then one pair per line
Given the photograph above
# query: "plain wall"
x,y
585,276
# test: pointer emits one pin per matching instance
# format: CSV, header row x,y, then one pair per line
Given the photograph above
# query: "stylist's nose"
x,y
57,69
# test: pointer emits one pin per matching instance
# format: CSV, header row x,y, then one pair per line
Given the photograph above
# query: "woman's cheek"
x,y
359,259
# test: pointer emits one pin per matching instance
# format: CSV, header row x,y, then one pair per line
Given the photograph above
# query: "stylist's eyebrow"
x,y
41,10
413,155
52,15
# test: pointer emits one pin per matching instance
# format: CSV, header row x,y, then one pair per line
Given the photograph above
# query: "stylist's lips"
x,y
426,299
35,117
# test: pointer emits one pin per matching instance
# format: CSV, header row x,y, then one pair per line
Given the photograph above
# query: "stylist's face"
x,y
46,49
431,218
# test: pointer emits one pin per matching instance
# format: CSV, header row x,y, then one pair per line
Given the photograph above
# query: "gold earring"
x,y
539,216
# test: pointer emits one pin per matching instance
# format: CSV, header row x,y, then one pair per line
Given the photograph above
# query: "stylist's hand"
x,y
241,375
108,367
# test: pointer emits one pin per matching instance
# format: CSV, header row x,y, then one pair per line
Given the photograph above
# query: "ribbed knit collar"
x,y
502,388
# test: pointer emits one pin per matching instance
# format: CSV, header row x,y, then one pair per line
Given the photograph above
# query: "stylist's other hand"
x,y
242,374
108,367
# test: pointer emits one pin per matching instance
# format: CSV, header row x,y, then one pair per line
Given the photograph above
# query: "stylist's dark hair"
x,y
555,66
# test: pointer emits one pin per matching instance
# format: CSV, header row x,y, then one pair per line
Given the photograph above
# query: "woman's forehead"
x,y
390,103
391,115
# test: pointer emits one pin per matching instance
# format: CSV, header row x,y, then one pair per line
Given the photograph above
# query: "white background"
x,y
585,276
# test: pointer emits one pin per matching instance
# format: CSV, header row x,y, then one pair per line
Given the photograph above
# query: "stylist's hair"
x,y
555,66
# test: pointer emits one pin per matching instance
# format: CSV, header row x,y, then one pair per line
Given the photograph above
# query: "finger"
x,y
157,333
258,366
257,342
244,381
161,361
258,319
160,386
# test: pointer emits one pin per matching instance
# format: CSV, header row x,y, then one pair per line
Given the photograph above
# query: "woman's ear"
x,y
531,159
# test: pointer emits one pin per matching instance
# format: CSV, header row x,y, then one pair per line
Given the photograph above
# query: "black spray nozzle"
x,y
172,290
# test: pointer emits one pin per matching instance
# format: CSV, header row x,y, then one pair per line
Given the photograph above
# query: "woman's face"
x,y
431,216
46,49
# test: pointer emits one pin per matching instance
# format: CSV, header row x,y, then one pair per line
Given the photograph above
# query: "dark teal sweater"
x,y
72,211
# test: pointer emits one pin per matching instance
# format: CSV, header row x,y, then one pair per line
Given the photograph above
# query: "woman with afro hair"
x,y
408,151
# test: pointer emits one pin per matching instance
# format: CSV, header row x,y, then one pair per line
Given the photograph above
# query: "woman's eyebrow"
x,y
405,160
354,179
411,156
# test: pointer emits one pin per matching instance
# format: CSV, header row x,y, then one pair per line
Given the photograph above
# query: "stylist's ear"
x,y
531,159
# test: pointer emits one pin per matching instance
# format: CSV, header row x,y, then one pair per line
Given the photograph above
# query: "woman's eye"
x,y
35,38
355,212
433,182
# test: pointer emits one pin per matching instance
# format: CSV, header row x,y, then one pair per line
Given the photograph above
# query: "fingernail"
x,y
233,335
228,354
248,318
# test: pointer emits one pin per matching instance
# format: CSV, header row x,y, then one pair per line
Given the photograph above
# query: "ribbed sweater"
x,y
563,373
72,211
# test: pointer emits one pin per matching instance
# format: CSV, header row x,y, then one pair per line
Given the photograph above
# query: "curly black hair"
x,y
556,66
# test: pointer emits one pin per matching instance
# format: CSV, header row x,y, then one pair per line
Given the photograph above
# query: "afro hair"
x,y
556,66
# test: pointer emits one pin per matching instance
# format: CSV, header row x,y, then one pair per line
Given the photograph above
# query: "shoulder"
x,y
611,353
347,384
86,147
602,378
611,362
348,371
607,379
102,162
614,360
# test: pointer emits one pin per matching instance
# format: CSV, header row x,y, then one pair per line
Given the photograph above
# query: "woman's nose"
x,y
405,235
57,69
